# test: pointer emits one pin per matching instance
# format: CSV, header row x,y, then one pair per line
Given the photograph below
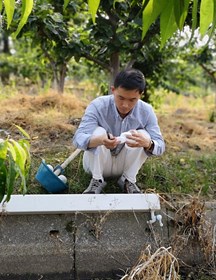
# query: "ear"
x,y
112,89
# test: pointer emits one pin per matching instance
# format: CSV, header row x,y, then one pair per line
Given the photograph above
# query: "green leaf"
x,y
93,7
23,131
206,15
9,9
3,176
66,2
12,150
180,11
211,31
27,6
0,6
194,17
26,147
20,155
11,176
3,149
150,14
168,24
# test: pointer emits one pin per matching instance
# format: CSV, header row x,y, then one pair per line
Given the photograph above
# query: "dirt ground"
x,y
51,120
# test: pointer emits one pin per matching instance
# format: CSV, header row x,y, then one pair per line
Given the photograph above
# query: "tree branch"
x,y
97,61
209,72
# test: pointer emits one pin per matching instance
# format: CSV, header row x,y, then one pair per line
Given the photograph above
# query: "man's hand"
x,y
110,142
98,140
137,139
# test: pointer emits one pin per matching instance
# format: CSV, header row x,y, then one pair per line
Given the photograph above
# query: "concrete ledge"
x,y
83,245
70,203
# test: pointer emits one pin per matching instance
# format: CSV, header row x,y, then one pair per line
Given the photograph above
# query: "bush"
x,y
14,164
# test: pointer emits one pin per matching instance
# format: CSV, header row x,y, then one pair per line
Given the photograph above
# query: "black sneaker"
x,y
128,186
95,186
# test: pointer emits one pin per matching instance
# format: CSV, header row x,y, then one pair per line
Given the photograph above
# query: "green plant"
x,y
14,164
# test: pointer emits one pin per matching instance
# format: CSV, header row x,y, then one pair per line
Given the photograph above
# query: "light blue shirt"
x,y
103,112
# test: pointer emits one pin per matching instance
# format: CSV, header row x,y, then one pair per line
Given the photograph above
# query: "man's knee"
x,y
99,131
144,132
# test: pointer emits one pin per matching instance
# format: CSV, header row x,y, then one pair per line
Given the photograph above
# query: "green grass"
x,y
179,174
185,174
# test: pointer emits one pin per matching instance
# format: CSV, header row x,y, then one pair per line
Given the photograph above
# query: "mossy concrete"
x,y
83,245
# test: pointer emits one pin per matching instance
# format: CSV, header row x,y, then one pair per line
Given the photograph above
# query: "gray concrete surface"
x,y
83,245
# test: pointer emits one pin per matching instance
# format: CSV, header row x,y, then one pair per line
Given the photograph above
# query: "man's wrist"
x,y
150,147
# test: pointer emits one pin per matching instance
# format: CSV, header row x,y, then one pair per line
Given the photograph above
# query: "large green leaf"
x,y
3,176
180,12
9,9
20,155
11,176
12,150
168,24
26,147
93,7
20,165
3,149
0,6
150,14
27,6
206,15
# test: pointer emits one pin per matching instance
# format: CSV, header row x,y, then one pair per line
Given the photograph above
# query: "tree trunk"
x,y
114,64
61,80
5,74
59,74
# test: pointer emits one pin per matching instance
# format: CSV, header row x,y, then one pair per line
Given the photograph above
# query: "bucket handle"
x,y
61,167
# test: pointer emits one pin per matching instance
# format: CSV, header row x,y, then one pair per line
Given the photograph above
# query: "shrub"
x,y
14,164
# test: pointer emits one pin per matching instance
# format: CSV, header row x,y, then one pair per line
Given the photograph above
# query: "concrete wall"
x,y
83,245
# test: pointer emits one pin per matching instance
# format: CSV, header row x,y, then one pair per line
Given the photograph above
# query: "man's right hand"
x,y
110,142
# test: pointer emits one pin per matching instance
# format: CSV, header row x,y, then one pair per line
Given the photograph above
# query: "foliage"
x,y
116,38
172,14
24,63
14,164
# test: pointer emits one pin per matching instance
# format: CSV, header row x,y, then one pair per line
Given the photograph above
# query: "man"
x,y
105,119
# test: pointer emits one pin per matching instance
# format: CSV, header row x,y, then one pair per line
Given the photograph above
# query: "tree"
x,y
172,14
120,33
48,26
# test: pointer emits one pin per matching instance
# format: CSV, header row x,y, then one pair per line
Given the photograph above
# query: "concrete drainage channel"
x,y
82,236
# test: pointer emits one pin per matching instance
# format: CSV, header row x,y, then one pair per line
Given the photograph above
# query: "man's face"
x,y
125,100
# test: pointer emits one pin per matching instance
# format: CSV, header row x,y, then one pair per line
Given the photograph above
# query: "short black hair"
x,y
130,79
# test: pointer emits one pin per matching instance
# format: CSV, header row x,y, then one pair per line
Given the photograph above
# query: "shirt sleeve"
x,y
153,129
87,126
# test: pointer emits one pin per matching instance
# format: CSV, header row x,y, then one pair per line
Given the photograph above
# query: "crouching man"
x,y
118,132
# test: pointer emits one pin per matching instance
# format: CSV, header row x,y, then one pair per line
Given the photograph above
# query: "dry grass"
x,y
40,112
192,224
160,265
49,117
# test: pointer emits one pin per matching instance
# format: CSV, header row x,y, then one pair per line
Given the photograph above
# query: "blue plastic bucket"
x,y
49,180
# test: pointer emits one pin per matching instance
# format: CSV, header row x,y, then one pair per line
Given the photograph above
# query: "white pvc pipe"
x,y
70,203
